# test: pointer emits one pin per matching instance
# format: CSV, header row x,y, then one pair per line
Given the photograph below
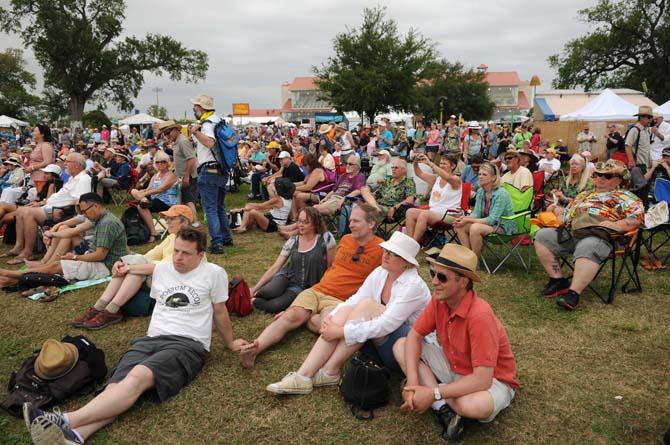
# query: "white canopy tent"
x,y
140,119
664,110
7,122
607,106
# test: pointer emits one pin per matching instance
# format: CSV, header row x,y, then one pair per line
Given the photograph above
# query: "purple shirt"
x,y
346,184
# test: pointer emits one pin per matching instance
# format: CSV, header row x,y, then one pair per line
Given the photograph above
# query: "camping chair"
x,y
446,230
159,223
120,194
660,232
538,195
625,255
521,204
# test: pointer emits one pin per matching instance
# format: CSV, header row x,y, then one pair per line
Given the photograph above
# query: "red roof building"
x,y
300,99
508,91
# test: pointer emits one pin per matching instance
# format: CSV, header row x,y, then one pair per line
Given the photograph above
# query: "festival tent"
x,y
6,122
140,119
607,106
664,110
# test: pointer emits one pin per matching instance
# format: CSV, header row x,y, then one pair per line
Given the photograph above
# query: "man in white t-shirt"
x,y
29,218
549,164
189,294
517,175
211,180
660,132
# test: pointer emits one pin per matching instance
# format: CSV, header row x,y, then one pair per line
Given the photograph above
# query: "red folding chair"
x,y
538,196
444,228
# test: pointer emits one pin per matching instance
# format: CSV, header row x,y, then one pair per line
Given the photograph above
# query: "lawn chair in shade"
x,y
624,257
511,245
445,230
653,239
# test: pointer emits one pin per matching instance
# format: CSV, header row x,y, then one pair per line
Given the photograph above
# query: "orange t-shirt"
x,y
345,275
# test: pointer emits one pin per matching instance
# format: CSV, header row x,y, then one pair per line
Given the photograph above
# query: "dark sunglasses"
x,y
603,175
442,278
509,158
357,256
161,162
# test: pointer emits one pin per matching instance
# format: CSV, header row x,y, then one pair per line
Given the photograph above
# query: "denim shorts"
x,y
381,349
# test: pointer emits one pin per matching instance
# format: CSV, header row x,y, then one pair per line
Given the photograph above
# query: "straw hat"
x,y
458,258
341,127
55,359
206,102
166,126
27,149
13,161
179,210
645,110
324,128
612,167
531,154
404,246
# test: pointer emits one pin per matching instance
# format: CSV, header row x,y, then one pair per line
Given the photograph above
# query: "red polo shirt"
x,y
471,336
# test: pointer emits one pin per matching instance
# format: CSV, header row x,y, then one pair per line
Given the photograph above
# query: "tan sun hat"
x,y
55,359
458,258
324,128
645,110
206,102
167,126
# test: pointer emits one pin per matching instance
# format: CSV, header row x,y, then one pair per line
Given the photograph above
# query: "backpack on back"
x,y
225,150
136,231
239,297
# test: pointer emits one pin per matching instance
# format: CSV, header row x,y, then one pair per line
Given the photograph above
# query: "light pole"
x,y
157,90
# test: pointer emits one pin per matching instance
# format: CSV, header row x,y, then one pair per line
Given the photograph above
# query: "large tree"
x,y
629,44
375,69
450,88
77,44
157,111
15,83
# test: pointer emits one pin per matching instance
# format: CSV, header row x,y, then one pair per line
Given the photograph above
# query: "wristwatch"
x,y
438,394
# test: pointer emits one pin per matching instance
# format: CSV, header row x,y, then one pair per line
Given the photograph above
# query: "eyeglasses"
x,y
357,256
161,162
442,278
303,221
603,175
351,163
509,158
395,167
393,254
82,211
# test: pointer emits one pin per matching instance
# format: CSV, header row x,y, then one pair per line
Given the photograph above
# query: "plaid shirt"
x,y
110,234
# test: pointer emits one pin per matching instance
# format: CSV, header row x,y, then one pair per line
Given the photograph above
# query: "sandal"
x,y
8,254
50,294
18,260
647,264
31,292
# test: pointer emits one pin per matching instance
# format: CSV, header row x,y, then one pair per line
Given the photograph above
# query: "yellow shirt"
x,y
163,251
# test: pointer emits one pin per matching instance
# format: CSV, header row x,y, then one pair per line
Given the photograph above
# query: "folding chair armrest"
x,y
516,216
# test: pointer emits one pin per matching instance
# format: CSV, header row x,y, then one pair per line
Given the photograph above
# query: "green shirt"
x,y
389,194
501,205
109,233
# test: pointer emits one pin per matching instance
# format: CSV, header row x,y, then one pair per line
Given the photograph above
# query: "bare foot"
x,y
239,230
248,355
33,264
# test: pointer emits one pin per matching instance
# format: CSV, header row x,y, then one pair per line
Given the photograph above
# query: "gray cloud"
x,y
254,46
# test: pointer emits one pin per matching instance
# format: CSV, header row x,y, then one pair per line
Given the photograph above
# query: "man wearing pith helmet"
x,y
473,373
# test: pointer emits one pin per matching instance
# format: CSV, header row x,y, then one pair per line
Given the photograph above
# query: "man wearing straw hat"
x,y
473,373
638,139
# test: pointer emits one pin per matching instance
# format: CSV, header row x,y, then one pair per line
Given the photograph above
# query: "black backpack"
x,y
25,386
136,231
364,385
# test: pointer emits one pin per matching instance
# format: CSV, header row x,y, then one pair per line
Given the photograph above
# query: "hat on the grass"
x,y
404,246
55,359
458,258
179,210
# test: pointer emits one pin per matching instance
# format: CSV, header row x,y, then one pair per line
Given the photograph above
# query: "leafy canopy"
x,y
77,44
374,69
629,44
15,81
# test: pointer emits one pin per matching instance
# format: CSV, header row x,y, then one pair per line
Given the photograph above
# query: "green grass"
x,y
571,367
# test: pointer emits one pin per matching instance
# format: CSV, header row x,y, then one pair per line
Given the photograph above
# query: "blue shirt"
x,y
471,176
381,143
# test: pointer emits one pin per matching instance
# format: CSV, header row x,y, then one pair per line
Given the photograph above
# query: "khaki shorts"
x,y
315,301
433,356
83,270
331,205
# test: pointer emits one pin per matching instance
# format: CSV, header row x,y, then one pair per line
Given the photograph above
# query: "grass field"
x,y
572,367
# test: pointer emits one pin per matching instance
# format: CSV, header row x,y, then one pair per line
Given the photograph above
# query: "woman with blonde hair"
x,y
577,180
161,193
492,202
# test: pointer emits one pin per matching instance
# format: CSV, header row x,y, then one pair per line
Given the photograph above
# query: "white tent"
x,y
6,122
140,119
607,106
664,110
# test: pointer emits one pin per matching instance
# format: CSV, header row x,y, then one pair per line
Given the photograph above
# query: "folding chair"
x,y
159,223
445,229
538,195
120,195
521,204
646,236
625,255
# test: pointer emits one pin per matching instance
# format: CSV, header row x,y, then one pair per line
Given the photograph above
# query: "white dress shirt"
x,y
409,295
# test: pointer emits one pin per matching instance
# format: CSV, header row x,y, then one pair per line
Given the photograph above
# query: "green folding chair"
x,y
522,203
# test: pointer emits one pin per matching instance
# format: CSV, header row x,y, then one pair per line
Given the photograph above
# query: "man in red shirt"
x,y
474,365
357,255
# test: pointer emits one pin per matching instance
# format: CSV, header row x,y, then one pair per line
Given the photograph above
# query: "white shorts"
x,y
433,356
83,270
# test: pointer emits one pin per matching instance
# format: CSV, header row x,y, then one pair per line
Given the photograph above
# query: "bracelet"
x,y
74,257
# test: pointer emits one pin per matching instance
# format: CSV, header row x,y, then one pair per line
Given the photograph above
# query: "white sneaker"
x,y
321,379
291,384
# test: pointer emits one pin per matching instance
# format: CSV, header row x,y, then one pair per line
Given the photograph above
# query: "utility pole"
x,y
157,90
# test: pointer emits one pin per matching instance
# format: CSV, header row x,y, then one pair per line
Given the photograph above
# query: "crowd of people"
x,y
313,187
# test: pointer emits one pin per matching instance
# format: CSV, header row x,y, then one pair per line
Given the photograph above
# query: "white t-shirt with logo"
x,y
203,153
184,300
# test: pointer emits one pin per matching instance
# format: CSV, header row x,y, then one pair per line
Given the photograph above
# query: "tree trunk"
x,y
76,109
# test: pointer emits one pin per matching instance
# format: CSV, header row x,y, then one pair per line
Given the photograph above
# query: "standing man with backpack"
x,y
638,149
212,177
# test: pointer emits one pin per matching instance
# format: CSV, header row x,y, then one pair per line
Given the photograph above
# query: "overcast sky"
x,y
254,46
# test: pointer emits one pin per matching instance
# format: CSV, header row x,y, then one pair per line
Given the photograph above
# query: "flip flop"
x,y
50,294
8,254
17,260
29,292
658,265
647,265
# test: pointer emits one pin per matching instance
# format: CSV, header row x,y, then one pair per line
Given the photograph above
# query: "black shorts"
x,y
189,193
272,225
174,361
432,148
157,206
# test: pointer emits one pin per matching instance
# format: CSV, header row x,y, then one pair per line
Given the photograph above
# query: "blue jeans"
x,y
212,197
381,350
256,182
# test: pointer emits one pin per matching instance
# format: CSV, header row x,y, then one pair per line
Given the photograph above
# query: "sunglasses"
x,y
509,158
161,162
351,163
604,175
357,256
442,278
